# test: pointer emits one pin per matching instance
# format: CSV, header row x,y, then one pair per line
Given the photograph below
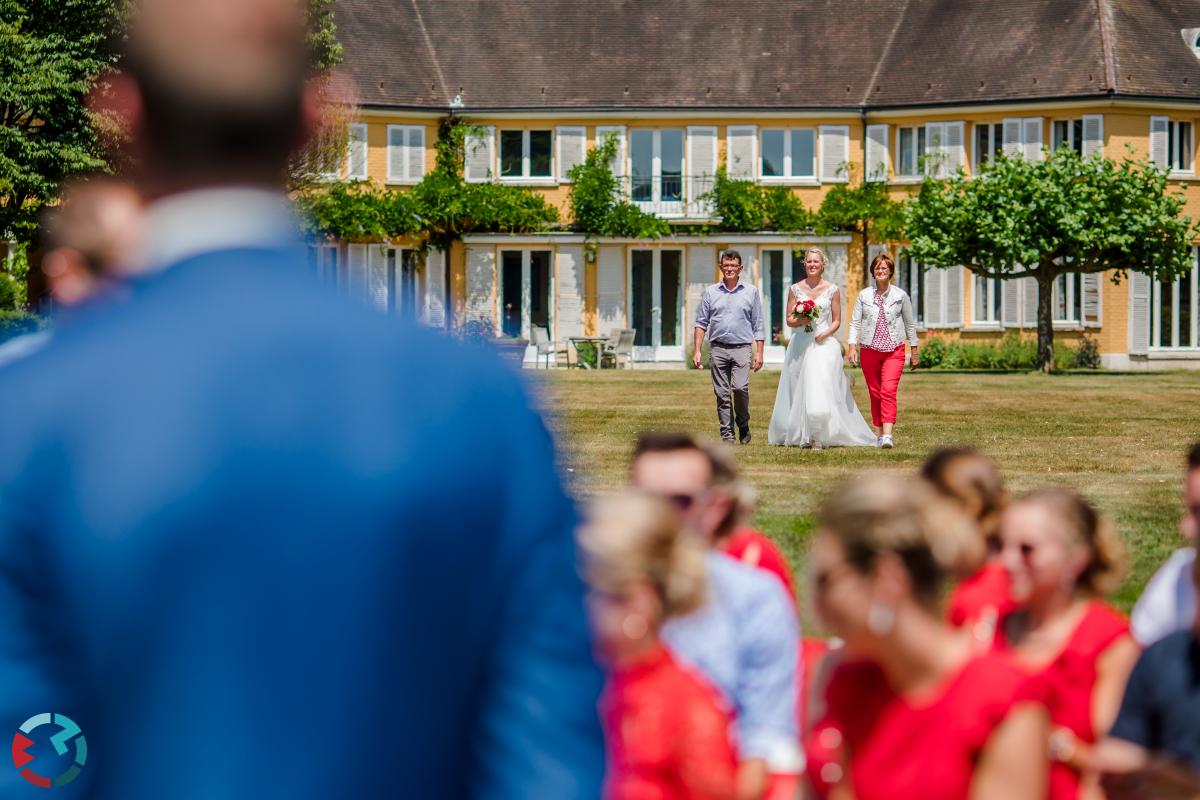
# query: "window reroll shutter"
x,y
701,162
481,277
1091,298
434,312
1029,302
835,151
954,297
377,276
610,288
415,148
1093,134
876,168
357,152
356,269
1158,141
1013,146
569,288
1139,313
572,146
955,147
935,280
396,157
617,166
478,155
741,152
935,148
1010,303
1032,137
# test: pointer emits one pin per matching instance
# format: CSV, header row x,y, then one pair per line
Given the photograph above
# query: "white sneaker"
x,y
886,442
878,441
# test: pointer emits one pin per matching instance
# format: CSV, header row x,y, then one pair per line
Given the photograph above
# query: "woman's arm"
x,y
1013,762
855,321
1112,673
835,305
788,319
910,323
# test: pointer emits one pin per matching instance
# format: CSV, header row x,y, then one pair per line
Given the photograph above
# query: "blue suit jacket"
x,y
259,542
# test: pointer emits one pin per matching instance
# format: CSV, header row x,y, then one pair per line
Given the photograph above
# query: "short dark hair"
x,y
733,255
722,469
1193,458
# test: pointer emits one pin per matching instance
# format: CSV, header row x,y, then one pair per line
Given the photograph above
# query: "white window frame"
x,y
1156,312
1070,140
918,274
656,176
1173,142
993,288
526,291
918,134
1074,286
789,176
525,178
995,136
325,258
366,165
405,131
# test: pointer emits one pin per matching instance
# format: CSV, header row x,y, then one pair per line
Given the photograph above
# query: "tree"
x,y
51,55
1047,218
864,208
338,106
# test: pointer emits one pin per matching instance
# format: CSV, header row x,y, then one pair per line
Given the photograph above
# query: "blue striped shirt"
x,y
731,317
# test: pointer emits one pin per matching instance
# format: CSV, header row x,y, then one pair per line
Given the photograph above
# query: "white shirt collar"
x,y
184,225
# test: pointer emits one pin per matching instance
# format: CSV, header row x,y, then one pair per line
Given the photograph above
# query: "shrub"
x,y
1013,351
1087,355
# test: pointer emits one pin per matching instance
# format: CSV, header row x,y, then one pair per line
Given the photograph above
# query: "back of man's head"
x,y
220,88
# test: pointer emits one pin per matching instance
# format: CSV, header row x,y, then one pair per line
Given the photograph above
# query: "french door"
x,y
656,304
525,293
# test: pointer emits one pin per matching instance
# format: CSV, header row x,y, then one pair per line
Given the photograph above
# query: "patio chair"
x,y
546,347
621,353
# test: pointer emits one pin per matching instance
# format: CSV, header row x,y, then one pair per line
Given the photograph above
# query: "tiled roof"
x,y
762,54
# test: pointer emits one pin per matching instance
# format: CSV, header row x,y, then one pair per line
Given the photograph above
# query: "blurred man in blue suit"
x,y
258,542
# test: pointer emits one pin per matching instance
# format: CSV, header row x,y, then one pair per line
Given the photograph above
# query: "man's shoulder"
x,y
742,581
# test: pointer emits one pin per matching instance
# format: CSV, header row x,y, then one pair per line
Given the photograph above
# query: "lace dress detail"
x,y
813,401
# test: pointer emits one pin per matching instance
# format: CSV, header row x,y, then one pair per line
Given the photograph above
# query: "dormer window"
x,y
1192,37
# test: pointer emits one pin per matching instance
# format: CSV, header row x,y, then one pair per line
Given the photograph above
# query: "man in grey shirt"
x,y
731,314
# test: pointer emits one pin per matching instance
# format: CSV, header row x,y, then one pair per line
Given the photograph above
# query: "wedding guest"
x,y
967,477
752,546
746,636
1168,603
916,712
1063,557
882,321
730,316
668,729
1153,748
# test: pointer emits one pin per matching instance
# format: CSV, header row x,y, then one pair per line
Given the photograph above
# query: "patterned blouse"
x,y
882,341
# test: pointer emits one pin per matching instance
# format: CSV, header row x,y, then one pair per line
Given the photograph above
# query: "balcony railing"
x,y
672,196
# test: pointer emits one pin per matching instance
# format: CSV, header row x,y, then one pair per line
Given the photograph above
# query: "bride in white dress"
x,y
813,405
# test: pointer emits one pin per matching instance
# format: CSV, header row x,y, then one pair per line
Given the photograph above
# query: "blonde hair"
x,y
872,515
1081,524
635,536
820,252
972,480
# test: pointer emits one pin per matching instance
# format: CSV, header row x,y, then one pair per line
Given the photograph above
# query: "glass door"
x,y
656,304
526,295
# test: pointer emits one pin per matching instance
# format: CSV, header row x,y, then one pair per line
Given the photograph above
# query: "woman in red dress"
x,y
668,730
1063,557
971,479
916,712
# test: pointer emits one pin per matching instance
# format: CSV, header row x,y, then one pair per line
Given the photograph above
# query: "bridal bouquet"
x,y
805,310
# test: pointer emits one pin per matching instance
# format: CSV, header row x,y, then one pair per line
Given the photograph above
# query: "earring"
x,y
881,619
634,626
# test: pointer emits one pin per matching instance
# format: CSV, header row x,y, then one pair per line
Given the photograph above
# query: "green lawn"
x,y
1120,439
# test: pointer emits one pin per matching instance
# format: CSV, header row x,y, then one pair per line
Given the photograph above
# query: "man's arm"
x,y
759,327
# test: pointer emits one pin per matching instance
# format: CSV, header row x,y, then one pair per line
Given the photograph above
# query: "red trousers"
x,y
882,371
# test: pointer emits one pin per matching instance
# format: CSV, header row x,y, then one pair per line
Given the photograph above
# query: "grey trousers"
x,y
730,368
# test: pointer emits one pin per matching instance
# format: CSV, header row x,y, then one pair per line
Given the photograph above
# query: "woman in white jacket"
x,y
883,321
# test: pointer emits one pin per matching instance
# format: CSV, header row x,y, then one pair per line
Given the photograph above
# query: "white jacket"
x,y
899,312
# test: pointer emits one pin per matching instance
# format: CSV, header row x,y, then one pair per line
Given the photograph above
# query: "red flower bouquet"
x,y
805,310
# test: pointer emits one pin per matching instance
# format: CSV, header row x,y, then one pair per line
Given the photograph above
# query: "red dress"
x,y
1065,684
668,734
981,601
898,749
758,550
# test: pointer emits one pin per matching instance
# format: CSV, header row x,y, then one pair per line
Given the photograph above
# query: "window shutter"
x,y
358,152
416,153
1091,298
935,148
1013,146
377,276
568,285
572,147
1139,313
954,297
396,157
876,167
481,276
618,163
1093,134
434,313
1159,127
1010,303
701,164
1029,302
935,280
610,288
478,158
1032,136
356,269
741,156
835,151
956,153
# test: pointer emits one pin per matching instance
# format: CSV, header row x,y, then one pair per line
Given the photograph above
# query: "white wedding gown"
x,y
813,402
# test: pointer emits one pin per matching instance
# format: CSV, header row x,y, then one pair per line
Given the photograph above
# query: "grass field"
x,y
1119,438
